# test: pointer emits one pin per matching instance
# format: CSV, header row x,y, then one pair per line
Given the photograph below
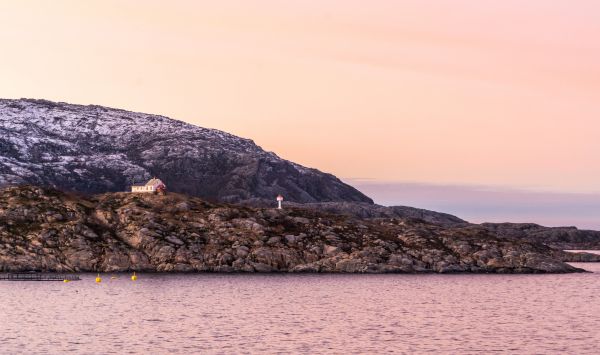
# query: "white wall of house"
x,y
151,186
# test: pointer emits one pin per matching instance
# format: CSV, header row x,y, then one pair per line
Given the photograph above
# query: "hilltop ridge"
x,y
95,149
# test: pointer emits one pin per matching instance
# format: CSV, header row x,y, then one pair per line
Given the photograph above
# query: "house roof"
x,y
154,181
151,182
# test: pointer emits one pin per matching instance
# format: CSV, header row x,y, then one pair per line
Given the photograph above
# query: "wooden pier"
x,y
34,276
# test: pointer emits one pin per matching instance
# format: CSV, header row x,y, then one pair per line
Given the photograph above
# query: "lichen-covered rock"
x,y
176,233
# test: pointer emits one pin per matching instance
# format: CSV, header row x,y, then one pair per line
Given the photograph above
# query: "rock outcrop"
x,y
95,149
368,210
562,238
559,238
48,230
578,257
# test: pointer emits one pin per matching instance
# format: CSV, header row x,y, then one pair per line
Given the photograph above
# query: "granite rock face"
x,y
95,149
48,230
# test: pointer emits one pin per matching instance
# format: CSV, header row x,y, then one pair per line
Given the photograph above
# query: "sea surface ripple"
x,y
278,313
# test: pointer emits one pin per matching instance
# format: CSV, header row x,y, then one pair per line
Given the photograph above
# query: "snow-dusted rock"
x,y
98,149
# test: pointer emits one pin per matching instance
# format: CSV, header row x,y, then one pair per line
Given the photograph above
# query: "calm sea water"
x,y
203,313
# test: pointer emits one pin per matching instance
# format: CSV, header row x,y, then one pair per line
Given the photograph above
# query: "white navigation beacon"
x,y
279,200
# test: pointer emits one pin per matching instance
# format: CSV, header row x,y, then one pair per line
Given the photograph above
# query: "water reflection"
x,y
204,313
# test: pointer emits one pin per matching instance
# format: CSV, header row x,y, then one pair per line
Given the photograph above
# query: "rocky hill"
x,y
96,149
48,230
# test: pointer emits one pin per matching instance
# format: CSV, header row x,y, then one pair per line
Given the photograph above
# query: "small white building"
x,y
153,185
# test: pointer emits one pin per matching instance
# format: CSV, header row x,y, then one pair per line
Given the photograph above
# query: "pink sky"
x,y
477,203
500,93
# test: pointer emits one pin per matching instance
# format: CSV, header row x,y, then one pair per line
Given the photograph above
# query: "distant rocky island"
x,y
46,229
218,215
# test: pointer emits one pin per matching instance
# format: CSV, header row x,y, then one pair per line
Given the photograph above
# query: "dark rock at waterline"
x,y
578,257
48,230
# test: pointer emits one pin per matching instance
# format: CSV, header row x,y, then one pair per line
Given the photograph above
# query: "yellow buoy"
x,y
98,279
65,280
133,277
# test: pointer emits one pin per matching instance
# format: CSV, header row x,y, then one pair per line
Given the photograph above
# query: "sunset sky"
x,y
502,94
